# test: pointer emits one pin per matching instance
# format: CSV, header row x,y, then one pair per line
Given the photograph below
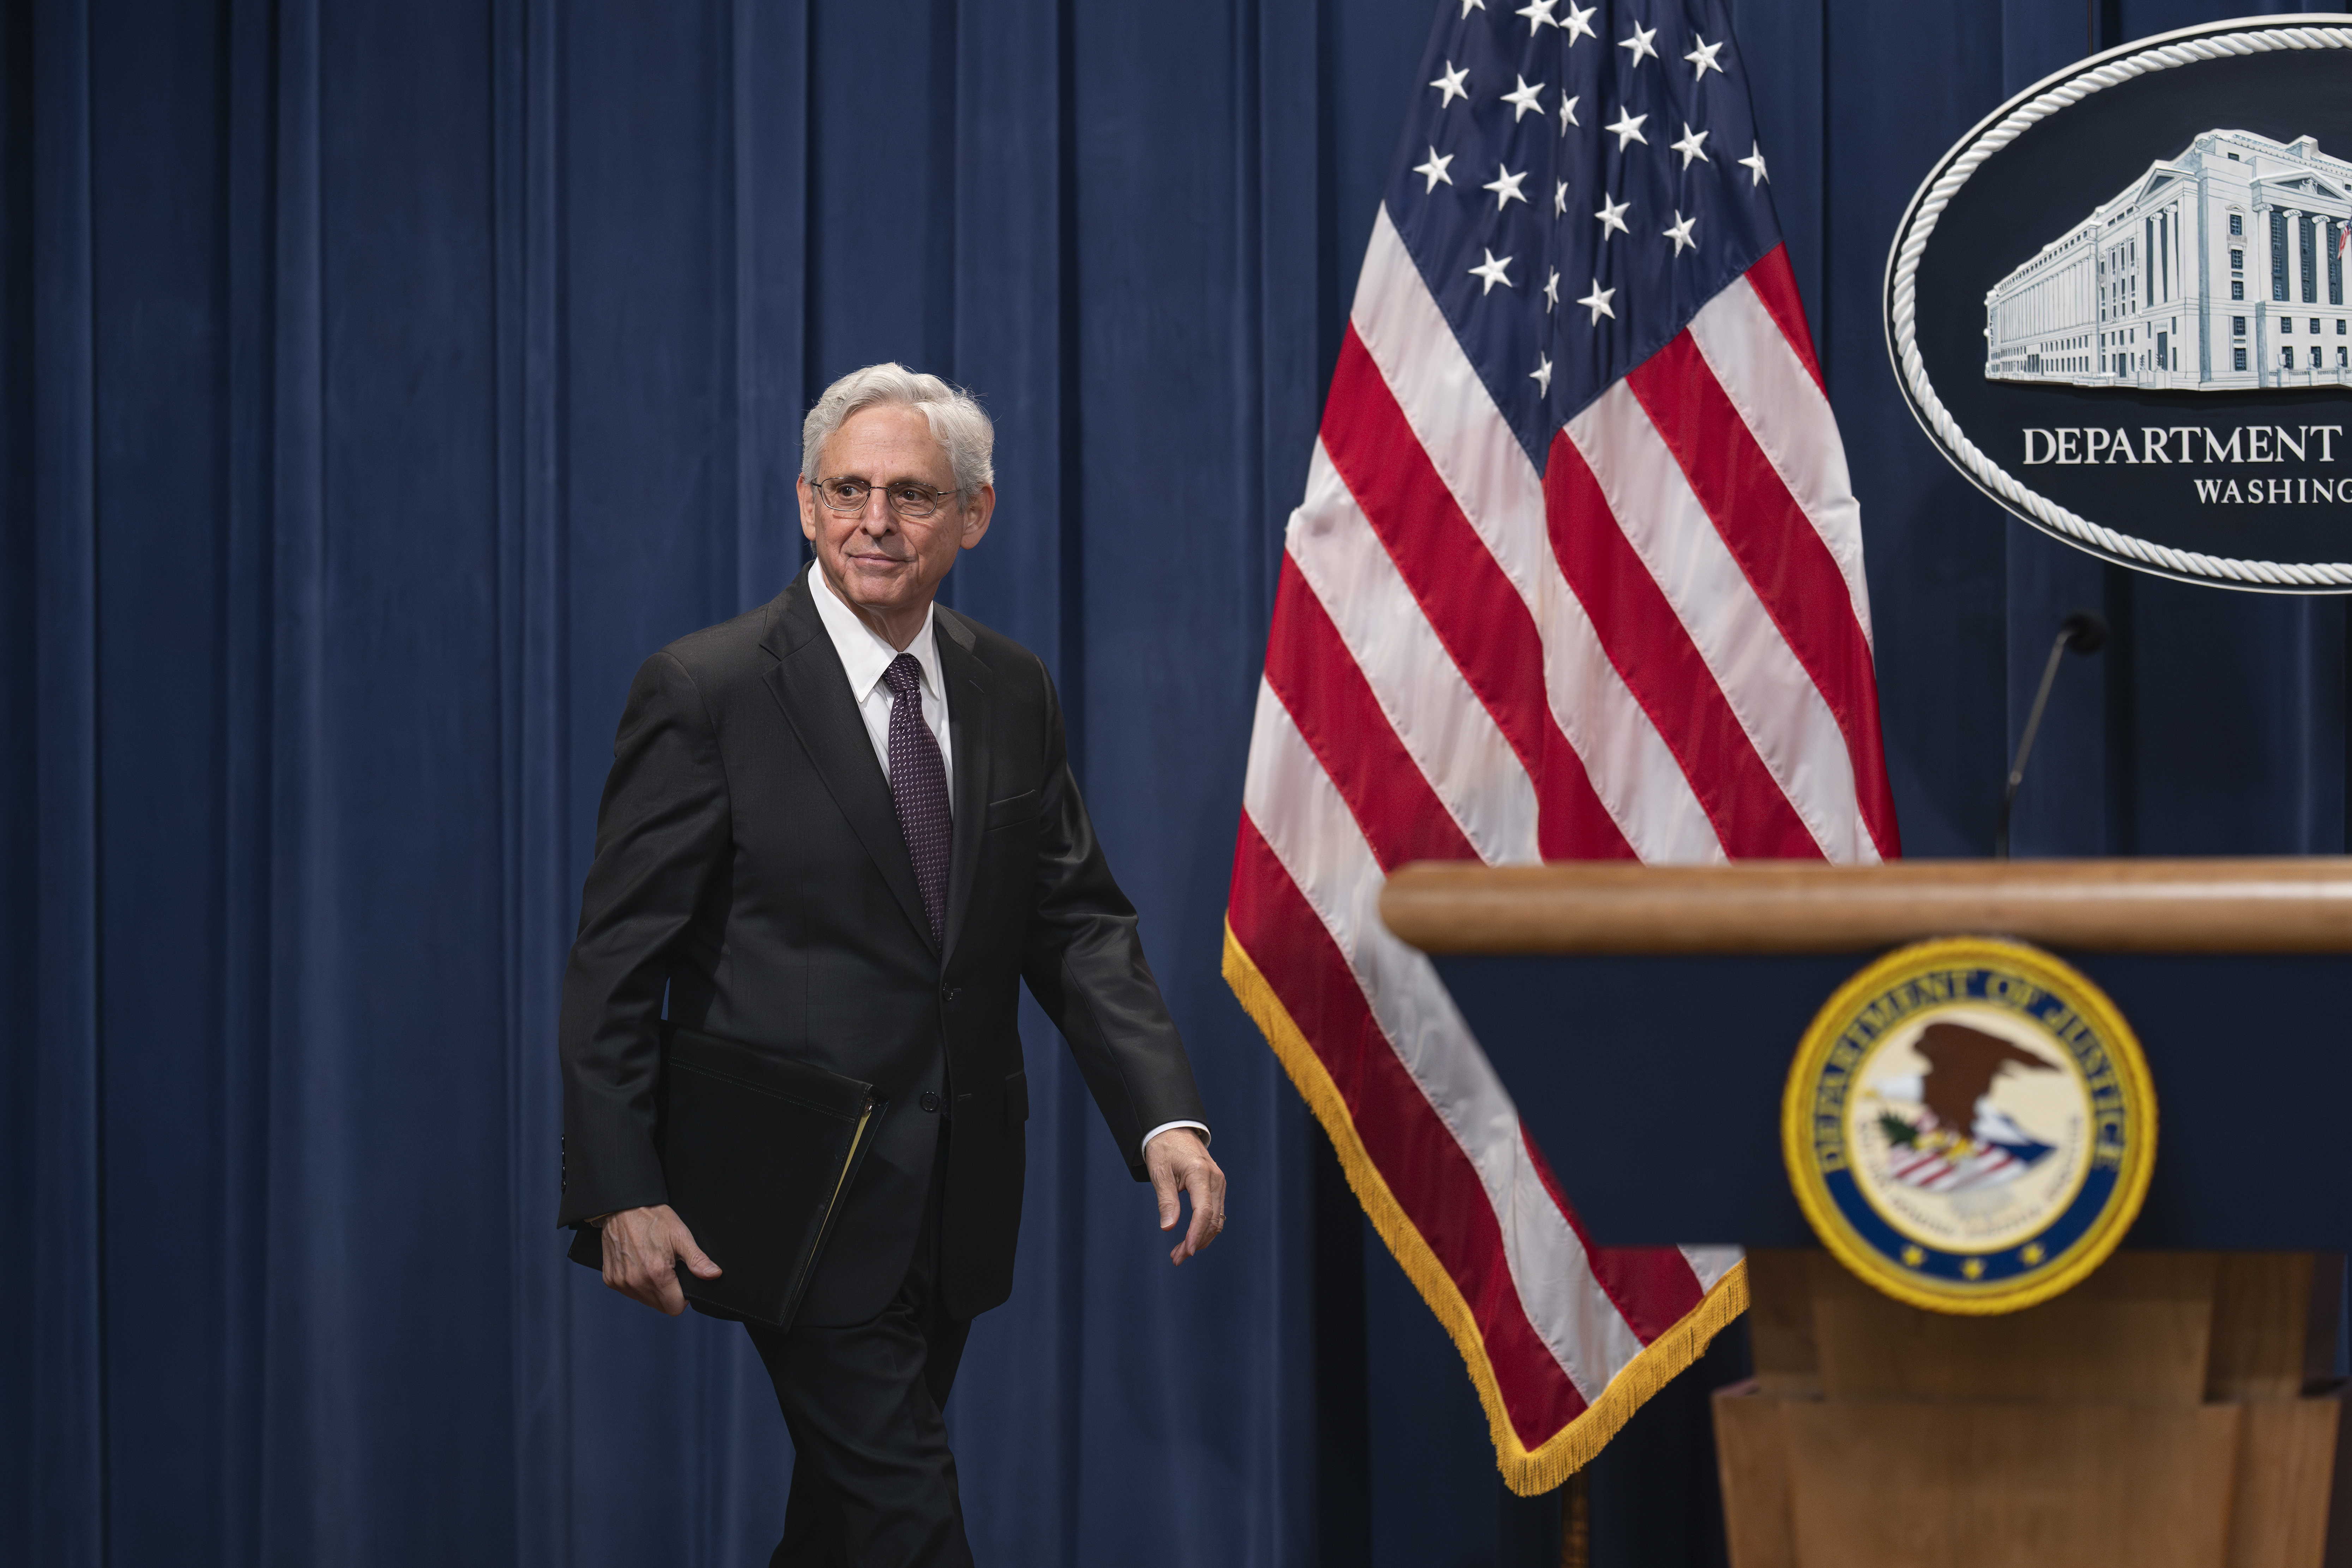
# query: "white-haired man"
x,y
842,829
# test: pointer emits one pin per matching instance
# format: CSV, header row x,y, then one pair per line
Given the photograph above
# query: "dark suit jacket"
x,y
748,861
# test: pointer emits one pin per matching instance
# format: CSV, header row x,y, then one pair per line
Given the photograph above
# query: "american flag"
x,y
1578,574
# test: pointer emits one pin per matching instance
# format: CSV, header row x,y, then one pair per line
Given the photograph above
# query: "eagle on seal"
x,y
1962,1063
1960,1141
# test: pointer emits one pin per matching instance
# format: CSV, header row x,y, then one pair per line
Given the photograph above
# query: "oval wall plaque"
x,y
2120,305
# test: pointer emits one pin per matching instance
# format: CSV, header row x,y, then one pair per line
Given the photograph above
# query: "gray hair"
x,y
957,423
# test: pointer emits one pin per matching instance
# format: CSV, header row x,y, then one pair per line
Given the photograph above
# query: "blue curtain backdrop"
x,y
383,381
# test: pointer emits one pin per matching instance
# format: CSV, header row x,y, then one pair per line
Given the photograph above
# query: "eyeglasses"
x,y
906,498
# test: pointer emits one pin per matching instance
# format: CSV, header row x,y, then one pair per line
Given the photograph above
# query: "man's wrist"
x,y
1171,1126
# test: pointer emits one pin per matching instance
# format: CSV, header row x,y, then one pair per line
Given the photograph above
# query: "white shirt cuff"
x,y
1165,1126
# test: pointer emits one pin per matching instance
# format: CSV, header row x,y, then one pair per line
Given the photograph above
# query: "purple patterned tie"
x,y
918,787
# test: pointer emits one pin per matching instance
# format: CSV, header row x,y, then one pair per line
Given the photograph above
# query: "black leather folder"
x,y
757,1151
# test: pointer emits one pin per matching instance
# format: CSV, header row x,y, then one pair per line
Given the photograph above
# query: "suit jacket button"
x,y
930,1101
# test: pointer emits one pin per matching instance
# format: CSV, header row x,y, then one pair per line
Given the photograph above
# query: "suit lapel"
x,y
967,681
809,684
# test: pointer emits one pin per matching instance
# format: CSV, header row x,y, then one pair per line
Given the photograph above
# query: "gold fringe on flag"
x,y
1526,1471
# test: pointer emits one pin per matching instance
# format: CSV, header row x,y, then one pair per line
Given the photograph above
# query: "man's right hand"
x,y
642,1250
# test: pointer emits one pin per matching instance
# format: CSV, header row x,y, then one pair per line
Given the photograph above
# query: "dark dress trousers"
x,y
750,867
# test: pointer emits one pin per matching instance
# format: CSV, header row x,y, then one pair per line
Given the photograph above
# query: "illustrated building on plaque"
x,y
2221,269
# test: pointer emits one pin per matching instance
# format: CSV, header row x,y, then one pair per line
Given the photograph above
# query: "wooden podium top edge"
x,y
2301,905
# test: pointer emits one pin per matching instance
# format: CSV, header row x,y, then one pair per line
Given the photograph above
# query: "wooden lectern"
x,y
2175,1407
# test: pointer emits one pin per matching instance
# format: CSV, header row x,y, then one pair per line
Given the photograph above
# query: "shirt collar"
x,y
864,655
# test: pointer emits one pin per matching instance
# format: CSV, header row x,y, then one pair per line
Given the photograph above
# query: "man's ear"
x,y
976,513
808,509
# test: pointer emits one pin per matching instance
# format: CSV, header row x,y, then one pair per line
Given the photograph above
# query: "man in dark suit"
x,y
842,829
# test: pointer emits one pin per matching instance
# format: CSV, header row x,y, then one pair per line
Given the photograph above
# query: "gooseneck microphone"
x,y
2084,631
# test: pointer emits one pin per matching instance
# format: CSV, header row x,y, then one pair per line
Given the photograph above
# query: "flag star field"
x,y
1667,81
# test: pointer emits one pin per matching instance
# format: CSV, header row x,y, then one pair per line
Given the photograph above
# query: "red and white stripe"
x,y
1985,1165
1660,648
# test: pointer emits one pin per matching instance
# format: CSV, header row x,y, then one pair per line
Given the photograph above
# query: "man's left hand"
x,y
1178,1161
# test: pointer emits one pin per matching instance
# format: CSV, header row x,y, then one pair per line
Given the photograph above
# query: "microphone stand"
x,y
2085,632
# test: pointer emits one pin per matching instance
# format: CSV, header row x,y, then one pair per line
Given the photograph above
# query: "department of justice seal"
x,y
1970,1125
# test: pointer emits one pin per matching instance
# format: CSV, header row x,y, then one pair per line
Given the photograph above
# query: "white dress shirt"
x,y
863,656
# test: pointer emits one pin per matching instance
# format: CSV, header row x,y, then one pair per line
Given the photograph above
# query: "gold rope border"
x,y
1525,1471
